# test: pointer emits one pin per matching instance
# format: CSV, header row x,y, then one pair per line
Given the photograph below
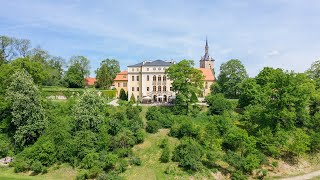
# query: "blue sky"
x,y
276,33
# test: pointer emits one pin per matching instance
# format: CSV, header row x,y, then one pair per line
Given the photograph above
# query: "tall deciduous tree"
x,y
74,77
314,72
28,115
231,75
108,70
88,112
186,80
6,49
82,63
22,46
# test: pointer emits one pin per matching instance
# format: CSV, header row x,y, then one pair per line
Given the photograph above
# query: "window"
x,y
118,84
170,88
147,88
124,84
132,69
124,76
159,88
154,88
206,85
154,78
159,68
137,69
147,69
154,68
137,88
132,78
159,78
164,78
147,77
137,78
164,88
164,68
132,88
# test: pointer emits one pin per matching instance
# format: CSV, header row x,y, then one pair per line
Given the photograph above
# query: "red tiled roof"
x,y
90,81
208,75
122,76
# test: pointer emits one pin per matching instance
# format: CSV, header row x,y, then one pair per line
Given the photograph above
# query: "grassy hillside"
x,y
151,167
62,172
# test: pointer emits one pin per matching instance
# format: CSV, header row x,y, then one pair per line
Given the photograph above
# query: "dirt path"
x,y
305,176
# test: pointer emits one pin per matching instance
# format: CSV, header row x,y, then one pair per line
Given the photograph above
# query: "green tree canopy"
x,y
28,115
82,63
74,77
186,80
231,75
108,70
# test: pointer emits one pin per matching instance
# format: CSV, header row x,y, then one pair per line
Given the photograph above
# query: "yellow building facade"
x,y
147,80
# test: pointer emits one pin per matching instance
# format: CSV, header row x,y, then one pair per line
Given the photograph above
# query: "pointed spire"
x,y
206,41
207,47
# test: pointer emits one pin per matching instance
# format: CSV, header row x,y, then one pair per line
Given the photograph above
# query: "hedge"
x,y
67,92
109,93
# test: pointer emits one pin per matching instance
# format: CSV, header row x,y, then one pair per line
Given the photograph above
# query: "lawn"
x,y
63,171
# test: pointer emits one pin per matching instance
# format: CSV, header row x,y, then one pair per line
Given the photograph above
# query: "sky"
x,y
275,33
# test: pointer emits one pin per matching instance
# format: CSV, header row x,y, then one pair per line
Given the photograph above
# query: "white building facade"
x,y
147,81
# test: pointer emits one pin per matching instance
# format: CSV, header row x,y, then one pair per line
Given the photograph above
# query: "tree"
x,y
28,115
218,104
132,98
108,70
82,63
6,49
87,113
74,77
188,154
314,72
186,80
102,77
165,156
123,96
250,92
34,68
231,75
22,46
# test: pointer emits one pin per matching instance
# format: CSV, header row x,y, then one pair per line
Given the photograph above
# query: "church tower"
x,y
207,61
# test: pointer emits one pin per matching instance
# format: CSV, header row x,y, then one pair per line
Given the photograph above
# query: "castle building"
x,y
147,80
121,82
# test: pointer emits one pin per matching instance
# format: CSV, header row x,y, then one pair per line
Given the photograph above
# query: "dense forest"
x,y
275,114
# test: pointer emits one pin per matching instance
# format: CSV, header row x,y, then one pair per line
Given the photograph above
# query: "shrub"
x,y
122,166
135,161
164,143
188,154
140,135
171,169
82,175
165,156
37,167
153,126
90,160
108,160
132,98
218,104
94,172
20,165
109,93
237,175
123,96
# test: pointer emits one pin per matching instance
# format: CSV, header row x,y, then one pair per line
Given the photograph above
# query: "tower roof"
x,y
207,56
